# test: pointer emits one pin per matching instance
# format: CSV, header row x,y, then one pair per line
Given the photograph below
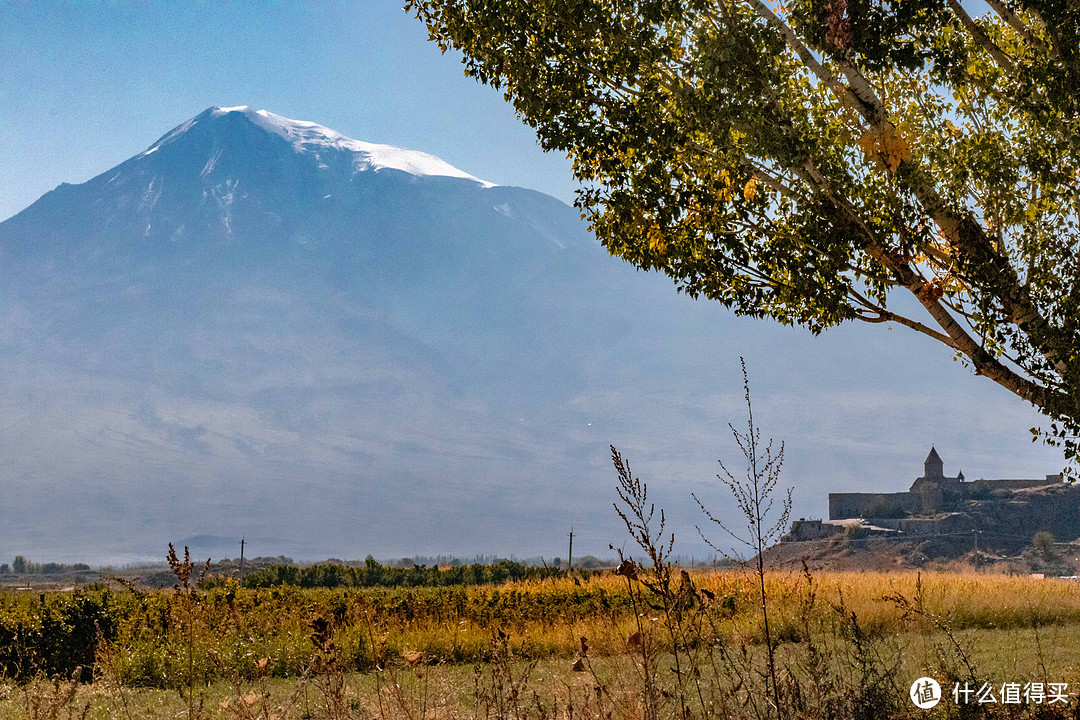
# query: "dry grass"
x,y
450,691
512,651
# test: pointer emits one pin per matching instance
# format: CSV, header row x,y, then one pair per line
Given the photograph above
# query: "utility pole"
x,y
241,561
570,554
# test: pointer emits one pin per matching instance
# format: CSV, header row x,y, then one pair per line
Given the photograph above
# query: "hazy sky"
x,y
87,85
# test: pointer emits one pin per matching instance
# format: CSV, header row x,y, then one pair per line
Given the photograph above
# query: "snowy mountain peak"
x,y
310,137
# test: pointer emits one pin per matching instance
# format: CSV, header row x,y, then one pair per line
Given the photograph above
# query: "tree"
x,y
822,161
1043,544
1042,556
18,565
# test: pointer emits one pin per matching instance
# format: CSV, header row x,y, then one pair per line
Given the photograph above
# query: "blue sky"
x,y
86,85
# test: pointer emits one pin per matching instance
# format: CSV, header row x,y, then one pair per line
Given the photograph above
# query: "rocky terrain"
x,y
997,530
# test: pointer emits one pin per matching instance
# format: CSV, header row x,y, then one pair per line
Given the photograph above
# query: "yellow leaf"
x,y
888,147
895,148
750,189
656,239
868,143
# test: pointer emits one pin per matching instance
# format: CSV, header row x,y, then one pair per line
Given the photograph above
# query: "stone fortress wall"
x,y
932,493
936,504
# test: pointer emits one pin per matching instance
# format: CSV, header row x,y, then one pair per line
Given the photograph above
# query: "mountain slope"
x,y
259,326
259,321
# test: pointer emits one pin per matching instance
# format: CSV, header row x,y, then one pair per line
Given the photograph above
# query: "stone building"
x,y
1004,512
931,493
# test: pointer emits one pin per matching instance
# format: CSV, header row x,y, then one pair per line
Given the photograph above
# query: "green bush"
x,y
53,634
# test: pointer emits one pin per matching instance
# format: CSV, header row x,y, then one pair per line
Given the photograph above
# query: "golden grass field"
x,y
846,643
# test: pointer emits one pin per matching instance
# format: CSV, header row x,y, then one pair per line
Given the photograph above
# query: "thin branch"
x,y
981,38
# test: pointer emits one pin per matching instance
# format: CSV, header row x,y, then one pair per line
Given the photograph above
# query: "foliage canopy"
x,y
817,161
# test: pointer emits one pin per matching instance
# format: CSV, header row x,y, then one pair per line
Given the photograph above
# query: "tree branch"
x,y
981,38
1014,21
961,230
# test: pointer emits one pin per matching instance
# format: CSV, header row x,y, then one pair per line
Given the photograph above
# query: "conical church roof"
x,y
933,456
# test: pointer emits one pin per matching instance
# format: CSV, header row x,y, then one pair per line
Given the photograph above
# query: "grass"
x,y
151,633
467,652
1011,654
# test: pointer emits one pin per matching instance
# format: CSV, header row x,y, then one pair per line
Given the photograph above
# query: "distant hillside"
x,y
999,526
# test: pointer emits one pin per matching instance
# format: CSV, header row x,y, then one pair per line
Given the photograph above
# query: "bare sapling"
x,y
638,515
755,495
186,589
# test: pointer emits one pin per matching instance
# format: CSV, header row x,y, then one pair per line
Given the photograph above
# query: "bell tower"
x,y
933,469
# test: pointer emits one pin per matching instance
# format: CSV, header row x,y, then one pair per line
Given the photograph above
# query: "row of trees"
x,y
373,574
21,566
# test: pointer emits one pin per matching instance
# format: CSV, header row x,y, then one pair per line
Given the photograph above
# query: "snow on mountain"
x,y
235,174
310,137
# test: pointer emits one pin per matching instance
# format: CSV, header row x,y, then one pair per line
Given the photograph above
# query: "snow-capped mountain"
x,y
259,326
318,141
234,193
238,173
258,320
